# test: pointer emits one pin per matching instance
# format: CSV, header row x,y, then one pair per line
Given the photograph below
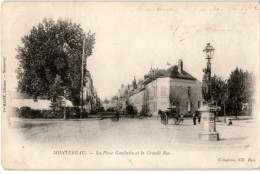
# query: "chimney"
x,y
180,66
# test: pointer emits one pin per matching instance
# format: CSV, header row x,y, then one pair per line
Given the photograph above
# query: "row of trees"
x,y
51,59
231,94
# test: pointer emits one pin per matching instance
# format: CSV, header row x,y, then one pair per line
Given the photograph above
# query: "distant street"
x,y
129,133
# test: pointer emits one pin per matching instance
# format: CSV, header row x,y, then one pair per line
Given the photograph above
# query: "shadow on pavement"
x,y
32,125
240,138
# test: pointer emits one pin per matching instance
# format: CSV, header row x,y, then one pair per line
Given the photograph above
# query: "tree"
x,y
175,100
53,49
218,86
178,98
218,91
57,91
240,88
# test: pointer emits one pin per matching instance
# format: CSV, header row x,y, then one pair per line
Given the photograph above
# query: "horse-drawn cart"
x,y
170,113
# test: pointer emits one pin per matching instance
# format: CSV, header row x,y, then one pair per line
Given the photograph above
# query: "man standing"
x,y
117,114
194,118
199,117
182,118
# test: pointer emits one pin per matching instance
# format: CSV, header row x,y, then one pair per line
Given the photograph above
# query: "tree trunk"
x,y
236,108
64,112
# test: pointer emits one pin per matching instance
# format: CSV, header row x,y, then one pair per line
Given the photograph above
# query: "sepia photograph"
x,y
130,85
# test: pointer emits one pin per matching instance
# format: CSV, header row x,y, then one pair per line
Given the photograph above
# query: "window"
x,y
189,106
155,106
189,91
163,90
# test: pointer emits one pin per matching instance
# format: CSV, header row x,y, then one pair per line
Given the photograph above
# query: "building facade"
x,y
90,97
137,101
123,95
162,89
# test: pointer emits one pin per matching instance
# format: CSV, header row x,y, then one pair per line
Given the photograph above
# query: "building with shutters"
x,y
163,88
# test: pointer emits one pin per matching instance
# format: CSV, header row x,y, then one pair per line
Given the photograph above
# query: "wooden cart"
x,y
170,113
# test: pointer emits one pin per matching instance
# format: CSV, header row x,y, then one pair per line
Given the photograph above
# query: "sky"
x,y
133,37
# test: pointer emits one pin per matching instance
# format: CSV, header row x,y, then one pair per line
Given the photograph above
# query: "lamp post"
x,y
209,50
82,80
64,112
208,126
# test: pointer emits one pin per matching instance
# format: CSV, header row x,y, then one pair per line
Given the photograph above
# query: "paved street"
x,y
129,132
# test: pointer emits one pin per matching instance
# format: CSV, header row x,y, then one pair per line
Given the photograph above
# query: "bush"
x,y
58,114
47,113
107,113
73,112
239,113
36,113
24,109
25,112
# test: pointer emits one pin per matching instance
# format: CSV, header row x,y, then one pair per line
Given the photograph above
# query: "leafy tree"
x,y
240,88
57,93
218,90
53,49
178,98
175,100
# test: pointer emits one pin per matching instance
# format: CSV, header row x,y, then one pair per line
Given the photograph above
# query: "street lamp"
x,y
82,79
208,124
209,50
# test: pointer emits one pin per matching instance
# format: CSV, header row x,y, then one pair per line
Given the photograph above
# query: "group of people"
x,y
178,118
195,115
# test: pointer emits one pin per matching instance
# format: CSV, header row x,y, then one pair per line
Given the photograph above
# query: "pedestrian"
x,y
199,117
194,118
230,122
182,117
117,115
176,118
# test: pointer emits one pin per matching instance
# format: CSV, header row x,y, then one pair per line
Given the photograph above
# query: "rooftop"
x,y
170,72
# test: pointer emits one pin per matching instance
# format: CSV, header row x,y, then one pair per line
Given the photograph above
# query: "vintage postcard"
x,y
130,85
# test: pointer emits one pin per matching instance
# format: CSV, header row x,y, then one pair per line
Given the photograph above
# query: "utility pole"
x,y
64,112
82,80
